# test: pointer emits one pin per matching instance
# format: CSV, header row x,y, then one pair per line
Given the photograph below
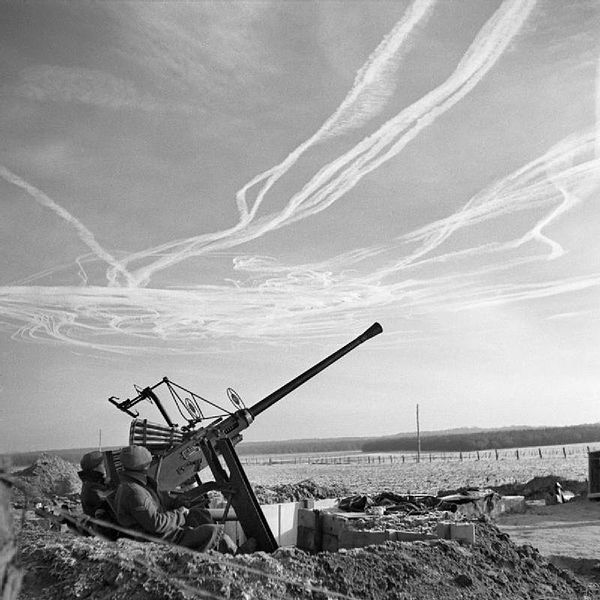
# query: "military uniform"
x,y
93,492
139,507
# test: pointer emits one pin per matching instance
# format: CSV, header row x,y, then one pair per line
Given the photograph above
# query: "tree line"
x,y
489,440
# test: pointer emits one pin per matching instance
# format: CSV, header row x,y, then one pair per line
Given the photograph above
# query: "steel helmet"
x,y
135,458
92,460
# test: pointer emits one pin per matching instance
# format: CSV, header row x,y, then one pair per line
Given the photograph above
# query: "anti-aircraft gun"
x,y
182,453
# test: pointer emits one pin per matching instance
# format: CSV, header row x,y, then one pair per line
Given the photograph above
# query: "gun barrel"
x,y
284,390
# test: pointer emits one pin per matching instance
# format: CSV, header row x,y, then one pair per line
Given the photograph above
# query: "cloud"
x,y
210,52
374,83
598,108
264,299
47,83
86,236
337,178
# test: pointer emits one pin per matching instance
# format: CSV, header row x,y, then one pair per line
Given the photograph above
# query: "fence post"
x,y
430,457
540,452
496,451
517,452
477,454
460,455
403,459
564,452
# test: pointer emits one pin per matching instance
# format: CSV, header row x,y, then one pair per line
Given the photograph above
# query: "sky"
x,y
224,193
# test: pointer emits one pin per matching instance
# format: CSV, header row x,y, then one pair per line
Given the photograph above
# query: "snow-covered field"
x,y
427,477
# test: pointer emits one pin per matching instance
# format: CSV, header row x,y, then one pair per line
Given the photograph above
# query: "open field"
x,y
62,567
426,477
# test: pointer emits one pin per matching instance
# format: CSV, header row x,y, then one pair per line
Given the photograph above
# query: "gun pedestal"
x,y
243,499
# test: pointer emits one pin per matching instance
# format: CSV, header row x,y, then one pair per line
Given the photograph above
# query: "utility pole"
x,y
418,437
100,439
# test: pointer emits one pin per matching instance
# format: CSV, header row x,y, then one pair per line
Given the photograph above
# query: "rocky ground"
x,y
63,565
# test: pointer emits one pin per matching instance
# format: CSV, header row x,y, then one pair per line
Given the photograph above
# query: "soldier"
x,y
140,507
93,488
94,495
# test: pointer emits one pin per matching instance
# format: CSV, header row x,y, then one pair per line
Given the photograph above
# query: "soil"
x,y
66,567
63,565
49,477
539,488
290,492
568,534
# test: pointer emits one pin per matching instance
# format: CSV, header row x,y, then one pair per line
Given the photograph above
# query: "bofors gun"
x,y
181,453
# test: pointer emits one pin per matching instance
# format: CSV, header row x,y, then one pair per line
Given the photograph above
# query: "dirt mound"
x,y
49,476
291,492
540,487
71,567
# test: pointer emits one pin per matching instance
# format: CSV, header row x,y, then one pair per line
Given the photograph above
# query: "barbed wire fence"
x,y
541,453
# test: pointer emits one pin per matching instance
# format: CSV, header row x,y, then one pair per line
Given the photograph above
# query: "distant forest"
x,y
303,446
24,459
452,440
489,439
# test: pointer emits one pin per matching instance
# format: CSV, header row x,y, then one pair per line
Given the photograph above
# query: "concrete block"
x,y
463,531
305,539
412,536
307,518
332,523
271,512
329,543
288,523
442,530
351,538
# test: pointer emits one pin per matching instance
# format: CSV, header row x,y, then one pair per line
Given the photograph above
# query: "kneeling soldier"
x,y
141,508
95,493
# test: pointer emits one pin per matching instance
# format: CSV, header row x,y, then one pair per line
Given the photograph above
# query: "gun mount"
x,y
182,453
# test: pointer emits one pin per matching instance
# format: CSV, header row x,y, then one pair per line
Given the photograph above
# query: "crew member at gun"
x,y
93,487
140,507
95,492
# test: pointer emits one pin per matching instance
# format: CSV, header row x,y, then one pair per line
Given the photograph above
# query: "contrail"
x,y
370,81
355,108
526,188
326,187
373,83
416,275
331,183
86,236
598,109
